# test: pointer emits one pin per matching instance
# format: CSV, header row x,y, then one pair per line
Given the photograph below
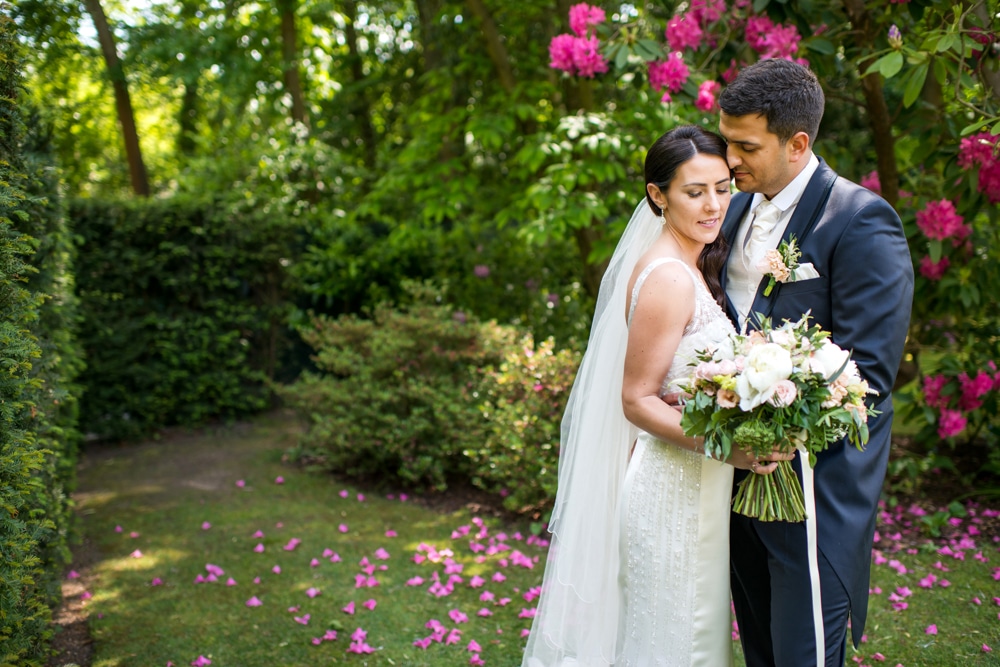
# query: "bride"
x,y
638,565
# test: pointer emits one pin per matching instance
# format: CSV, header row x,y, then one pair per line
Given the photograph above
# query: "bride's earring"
x,y
663,215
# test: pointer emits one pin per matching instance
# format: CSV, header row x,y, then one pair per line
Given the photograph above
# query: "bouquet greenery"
x,y
779,389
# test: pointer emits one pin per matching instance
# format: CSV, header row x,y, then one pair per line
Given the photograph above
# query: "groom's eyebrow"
x,y
744,144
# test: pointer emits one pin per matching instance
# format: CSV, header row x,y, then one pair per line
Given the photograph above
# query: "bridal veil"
x,y
576,622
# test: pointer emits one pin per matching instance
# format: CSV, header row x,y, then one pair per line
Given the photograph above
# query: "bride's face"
x,y
696,201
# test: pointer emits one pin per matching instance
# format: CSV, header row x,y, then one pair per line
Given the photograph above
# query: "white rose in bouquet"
x,y
764,367
827,359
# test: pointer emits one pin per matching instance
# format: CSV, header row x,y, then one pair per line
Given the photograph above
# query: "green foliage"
x,y
423,395
183,302
393,399
522,401
39,360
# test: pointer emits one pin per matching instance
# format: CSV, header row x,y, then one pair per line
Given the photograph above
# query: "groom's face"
x,y
759,160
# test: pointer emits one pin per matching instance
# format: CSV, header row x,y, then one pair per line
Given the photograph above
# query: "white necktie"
x,y
765,217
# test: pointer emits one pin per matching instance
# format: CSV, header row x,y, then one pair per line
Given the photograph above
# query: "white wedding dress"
x,y
637,571
674,558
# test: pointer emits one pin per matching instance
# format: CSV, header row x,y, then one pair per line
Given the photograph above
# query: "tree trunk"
x,y
360,107
878,110
494,44
123,103
187,121
290,61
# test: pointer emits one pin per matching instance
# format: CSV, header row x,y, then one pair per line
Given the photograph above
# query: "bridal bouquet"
x,y
781,389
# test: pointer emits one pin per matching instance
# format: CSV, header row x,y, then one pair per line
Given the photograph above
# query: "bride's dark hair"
x,y
663,160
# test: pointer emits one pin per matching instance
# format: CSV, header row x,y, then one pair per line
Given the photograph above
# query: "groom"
x,y
860,290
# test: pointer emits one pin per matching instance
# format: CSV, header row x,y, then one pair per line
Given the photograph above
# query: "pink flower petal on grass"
x,y
201,661
136,554
473,647
254,602
390,533
134,535
344,493
330,635
415,581
259,548
304,620
369,604
279,480
313,592
986,648
230,582
156,582
314,562
240,483
381,554
342,527
72,574
276,569
484,612
457,616
476,661
931,629
205,525
349,608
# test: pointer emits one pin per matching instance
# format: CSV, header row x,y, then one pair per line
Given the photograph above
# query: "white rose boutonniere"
x,y
779,265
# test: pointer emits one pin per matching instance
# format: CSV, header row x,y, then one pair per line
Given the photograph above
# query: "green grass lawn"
x,y
161,495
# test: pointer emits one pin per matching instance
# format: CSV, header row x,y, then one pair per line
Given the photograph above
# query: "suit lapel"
x,y
730,226
807,213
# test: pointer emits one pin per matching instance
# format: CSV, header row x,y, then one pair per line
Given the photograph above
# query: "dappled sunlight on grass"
x,y
305,572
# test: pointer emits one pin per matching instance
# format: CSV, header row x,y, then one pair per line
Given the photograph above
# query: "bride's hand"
x,y
759,464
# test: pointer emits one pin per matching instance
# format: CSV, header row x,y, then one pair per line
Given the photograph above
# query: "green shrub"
x,y
184,305
522,401
392,400
421,395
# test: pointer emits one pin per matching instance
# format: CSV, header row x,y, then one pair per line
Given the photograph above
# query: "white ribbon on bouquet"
x,y
809,493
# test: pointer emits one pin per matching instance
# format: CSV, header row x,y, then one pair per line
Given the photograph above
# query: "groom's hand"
x,y
675,399
761,464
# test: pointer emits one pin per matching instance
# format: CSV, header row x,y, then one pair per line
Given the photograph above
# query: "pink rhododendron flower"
x,y
484,612
415,581
587,57
933,384
476,661
670,74
348,608
973,389
259,548
390,533
313,592
369,604
230,582
201,661
304,619
279,480
951,423
205,525
156,582
457,616
582,16
254,602
707,93
422,643
344,493
381,554
276,569
939,221
934,270
756,30
342,527
977,150
707,11
292,544
683,32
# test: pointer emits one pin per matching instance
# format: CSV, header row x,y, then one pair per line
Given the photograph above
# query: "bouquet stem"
x,y
774,497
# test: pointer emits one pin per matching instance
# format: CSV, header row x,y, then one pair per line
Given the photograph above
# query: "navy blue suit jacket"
x,y
863,297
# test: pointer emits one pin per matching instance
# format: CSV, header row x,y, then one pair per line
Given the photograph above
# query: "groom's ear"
x,y
798,147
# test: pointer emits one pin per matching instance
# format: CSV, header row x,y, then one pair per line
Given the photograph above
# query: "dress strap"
x,y
660,261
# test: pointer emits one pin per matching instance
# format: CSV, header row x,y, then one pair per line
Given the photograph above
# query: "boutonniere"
x,y
779,265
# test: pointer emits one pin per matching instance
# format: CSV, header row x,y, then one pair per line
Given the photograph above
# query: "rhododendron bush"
x,y
912,113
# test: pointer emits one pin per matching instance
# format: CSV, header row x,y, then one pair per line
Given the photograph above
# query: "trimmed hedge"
x,y
183,306
39,359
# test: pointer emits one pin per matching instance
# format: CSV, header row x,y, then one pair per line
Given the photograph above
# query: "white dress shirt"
x,y
742,280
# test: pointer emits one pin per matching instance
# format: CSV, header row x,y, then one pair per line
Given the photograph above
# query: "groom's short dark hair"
x,y
787,94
